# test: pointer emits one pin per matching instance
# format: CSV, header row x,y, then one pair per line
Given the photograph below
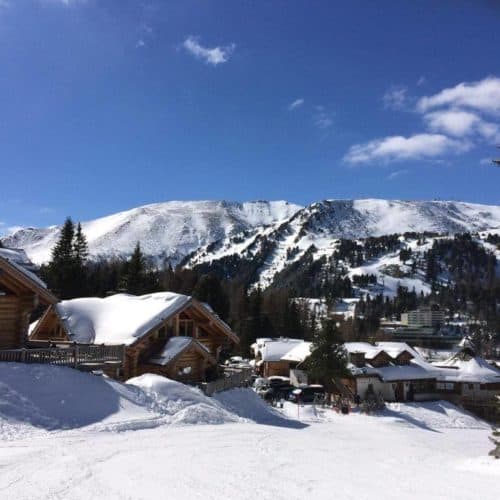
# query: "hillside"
x,y
165,230
314,242
216,229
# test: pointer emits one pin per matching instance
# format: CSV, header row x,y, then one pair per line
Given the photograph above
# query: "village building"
x,y
21,293
392,370
164,333
467,378
277,356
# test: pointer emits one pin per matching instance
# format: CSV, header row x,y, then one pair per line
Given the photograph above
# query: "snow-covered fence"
x,y
75,356
235,377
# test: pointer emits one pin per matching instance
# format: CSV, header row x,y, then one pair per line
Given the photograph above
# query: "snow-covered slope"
x,y
171,229
214,229
317,228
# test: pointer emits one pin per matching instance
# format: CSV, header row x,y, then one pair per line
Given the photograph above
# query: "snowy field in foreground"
x,y
53,448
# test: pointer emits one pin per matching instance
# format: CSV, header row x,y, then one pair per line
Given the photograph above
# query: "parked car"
x,y
278,380
307,394
277,392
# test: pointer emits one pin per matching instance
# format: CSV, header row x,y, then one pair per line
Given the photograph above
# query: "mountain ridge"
x,y
175,229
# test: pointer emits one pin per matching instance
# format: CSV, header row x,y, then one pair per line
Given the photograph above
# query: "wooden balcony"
x,y
82,357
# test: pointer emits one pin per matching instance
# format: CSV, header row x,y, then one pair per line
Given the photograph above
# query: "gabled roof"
x,y
475,369
123,318
299,353
417,369
175,347
18,268
275,349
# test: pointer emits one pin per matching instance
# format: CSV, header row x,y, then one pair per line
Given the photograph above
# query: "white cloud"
x,y
485,161
421,81
455,122
395,97
415,147
140,43
296,104
213,56
483,95
396,174
322,119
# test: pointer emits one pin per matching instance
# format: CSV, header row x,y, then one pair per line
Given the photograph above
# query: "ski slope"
x,y
154,438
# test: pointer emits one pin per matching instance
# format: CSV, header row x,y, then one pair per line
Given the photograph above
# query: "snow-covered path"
x,y
348,457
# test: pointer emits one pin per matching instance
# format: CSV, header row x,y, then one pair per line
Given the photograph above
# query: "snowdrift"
x,y
52,398
43,398
178,403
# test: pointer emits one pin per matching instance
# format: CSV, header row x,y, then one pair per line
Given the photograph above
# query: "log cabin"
x,y
164,333
21,292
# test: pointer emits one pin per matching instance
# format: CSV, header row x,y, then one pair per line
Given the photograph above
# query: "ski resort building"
x,y
164,333
464,376
279,356
21,292
392,370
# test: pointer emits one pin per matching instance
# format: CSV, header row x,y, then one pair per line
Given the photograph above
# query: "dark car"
x,y
307,394
277,392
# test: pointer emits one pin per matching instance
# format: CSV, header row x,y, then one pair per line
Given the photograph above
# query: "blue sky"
x,y
110,104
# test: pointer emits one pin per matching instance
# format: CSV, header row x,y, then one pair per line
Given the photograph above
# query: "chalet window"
x,y
162,332
445,386
471,387
423,386
186,327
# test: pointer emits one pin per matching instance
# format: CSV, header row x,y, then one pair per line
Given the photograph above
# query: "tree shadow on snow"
x,y
246,404
405,417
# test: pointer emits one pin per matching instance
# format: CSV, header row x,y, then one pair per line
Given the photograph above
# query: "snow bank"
x,y
42,398
181,404
37,399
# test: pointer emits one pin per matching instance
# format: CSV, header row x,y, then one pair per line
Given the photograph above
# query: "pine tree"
x,y
80,246
61,268
80,255
209,289
135,278
328,360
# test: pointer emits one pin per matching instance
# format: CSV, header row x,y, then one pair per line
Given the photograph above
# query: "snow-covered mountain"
x,y
211,230
315,231
165,230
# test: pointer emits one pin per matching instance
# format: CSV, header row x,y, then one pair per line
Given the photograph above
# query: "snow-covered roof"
x,y
298,353
275,349
416,369
394,349
118,319
458,369
345,307
173,348
18,259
